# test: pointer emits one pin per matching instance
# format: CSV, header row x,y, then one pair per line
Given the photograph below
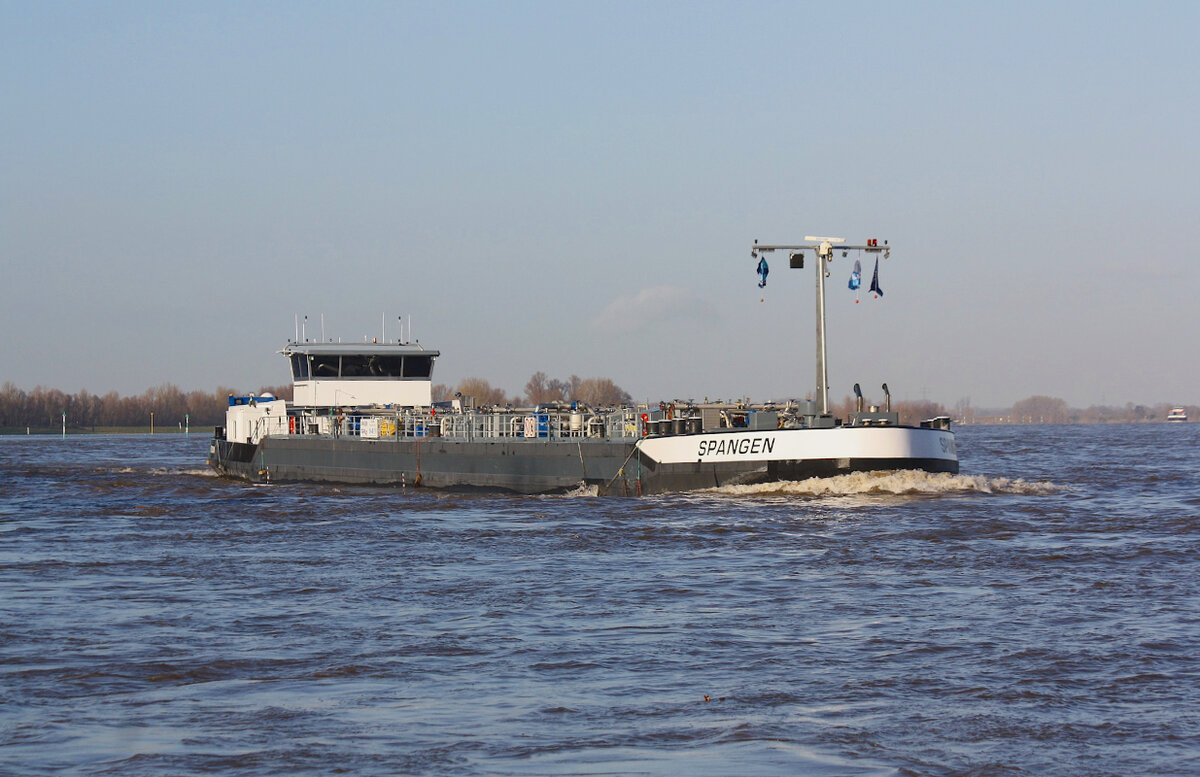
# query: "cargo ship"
x,y
364,413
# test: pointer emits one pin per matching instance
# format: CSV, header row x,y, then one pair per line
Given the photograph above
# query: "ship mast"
x,y
822,249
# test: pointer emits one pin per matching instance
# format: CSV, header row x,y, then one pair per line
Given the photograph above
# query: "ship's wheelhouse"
x,y
357,375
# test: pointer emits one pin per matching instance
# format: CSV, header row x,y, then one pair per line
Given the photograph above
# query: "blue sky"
x,y
574,188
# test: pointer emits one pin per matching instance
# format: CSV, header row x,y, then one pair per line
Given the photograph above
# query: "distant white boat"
x,y
1177,415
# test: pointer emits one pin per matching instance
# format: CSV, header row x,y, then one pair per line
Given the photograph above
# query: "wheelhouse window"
x,y
371,366
325,366
354,366
366,366
299,366
418,366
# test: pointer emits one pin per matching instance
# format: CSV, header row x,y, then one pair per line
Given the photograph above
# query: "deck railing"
x,y
471,425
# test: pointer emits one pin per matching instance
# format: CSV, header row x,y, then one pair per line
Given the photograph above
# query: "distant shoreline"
x,y
11,431
43,431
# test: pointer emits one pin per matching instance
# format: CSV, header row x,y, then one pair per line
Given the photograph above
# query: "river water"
x,y
1038,614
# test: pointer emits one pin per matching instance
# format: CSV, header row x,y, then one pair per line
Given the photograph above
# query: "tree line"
x,y
1037,409
539,389
43,407
1041,409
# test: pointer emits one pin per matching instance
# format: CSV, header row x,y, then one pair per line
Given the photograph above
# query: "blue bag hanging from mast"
x,y
763,270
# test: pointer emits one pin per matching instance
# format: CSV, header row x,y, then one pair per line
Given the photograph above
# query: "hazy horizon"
x,y
871,394
575,190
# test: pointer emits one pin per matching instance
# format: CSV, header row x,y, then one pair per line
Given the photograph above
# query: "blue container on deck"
x,y
543,425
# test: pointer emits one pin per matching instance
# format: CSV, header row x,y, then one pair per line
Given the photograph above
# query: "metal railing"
x,y
469,425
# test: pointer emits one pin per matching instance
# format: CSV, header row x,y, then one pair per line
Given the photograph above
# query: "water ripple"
x,y
1034,615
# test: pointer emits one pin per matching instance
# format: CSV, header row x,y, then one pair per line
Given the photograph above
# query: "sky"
x,y
574,188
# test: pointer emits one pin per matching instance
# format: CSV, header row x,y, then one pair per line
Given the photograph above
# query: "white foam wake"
x,y
898,482
583,489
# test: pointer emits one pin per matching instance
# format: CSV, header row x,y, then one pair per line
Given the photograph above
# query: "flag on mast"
x,y
875,280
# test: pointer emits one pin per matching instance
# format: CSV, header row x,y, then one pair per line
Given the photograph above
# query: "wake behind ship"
x,y
363,413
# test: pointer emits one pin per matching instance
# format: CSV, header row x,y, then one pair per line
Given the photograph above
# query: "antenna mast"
x,y
822,248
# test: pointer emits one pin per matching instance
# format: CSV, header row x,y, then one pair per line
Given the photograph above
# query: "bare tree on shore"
x,y
592,391
481,391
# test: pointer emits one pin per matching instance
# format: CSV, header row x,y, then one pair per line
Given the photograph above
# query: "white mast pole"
x,y
822,370
823,251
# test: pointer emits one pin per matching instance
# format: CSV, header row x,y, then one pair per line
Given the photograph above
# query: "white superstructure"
x,y
361,375
251,418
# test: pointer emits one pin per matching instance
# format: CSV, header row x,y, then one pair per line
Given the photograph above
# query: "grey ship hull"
x,y
616,467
